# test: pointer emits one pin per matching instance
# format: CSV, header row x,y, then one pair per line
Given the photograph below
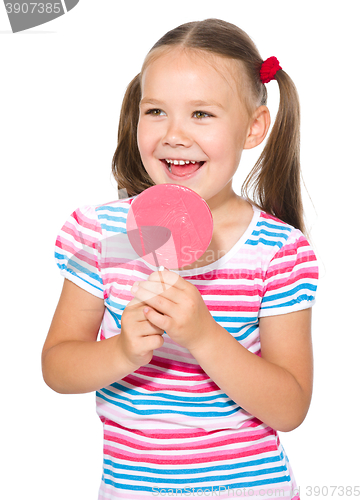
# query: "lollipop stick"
x,y
160,268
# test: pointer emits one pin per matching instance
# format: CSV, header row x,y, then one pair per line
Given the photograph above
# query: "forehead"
x,y
198,67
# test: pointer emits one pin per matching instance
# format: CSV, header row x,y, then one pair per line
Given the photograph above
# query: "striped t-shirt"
x,y
169,431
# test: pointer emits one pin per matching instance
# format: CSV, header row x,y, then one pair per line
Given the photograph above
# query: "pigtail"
x,y
275,178
127,167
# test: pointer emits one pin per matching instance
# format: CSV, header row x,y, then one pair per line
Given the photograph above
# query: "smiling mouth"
x,y
182,167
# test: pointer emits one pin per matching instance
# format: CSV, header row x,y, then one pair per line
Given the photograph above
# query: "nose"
x,y
176,135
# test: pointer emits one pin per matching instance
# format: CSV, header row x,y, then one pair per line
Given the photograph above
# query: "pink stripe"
x,y
82,254
107,493
86,222
199,445
233,306
299,248
298,261
124,295
217,274
151,372
120,278
117,262
84,239
175,352
290,251
162,433
184,432
158,433
130,495
197,458
109,409
176,366
288,280
264,215
289,266
252,290
153,387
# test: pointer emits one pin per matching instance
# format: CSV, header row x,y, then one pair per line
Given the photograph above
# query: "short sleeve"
x,y
78,250
290,282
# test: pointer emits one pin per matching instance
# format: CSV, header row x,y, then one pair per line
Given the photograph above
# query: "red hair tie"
x,y
268,69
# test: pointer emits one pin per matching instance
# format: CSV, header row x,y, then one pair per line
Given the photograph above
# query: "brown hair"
x,y
275,178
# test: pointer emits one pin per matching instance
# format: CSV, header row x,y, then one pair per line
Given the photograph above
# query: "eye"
x,y
201,114
154,112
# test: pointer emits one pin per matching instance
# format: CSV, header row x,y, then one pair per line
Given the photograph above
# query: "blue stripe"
x,y
293,291
117,319
166,396
269,233
80,278
201,470
60,256
235,319
195,479
248,332
274,225
120,307
188,402
73,264
113,229
164,411
112,209
301,298
188,491
112,218
279,244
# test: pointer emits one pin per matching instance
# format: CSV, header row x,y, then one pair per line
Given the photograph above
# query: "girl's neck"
x,y
231,220
223,210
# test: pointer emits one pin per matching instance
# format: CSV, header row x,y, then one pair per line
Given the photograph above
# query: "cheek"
x,y
144,138
140,134
218,145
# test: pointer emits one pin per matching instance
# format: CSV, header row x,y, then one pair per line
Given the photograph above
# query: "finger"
x,y
135,303
159,320
152,342
137,306
168,277
151,287
161,278
150,294
156,301
147,328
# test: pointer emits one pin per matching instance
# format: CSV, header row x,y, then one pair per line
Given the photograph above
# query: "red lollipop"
x,y
169,225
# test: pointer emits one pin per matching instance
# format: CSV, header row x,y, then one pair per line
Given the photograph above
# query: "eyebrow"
x,y
197,103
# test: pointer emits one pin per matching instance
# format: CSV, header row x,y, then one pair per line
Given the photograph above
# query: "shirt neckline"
x,y
225,258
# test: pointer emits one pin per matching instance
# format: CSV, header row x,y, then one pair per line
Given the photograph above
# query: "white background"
x,y
61,89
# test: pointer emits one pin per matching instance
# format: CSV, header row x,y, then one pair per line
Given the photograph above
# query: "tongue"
x,y
182,170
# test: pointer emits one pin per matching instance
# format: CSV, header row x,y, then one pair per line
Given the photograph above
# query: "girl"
x,y
193,382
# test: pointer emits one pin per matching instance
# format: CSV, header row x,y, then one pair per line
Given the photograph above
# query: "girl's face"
x,y
189,112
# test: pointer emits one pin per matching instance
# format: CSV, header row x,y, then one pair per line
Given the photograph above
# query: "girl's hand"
x,y
138,337
176,306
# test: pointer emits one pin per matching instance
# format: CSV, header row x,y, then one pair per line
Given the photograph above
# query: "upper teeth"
x,y
180,162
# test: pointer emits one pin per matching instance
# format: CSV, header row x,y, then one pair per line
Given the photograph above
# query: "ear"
x,y
259,126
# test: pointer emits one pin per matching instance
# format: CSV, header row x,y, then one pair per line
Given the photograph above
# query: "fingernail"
x,y
135,287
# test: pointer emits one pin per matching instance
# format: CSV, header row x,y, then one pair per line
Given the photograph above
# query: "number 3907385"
x,y
31,7
341,491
